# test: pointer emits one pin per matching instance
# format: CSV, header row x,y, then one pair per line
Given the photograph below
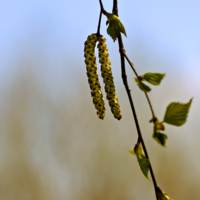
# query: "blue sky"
x,y
171,28
162,35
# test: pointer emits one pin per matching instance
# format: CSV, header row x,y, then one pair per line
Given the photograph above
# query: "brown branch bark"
x,y
124,78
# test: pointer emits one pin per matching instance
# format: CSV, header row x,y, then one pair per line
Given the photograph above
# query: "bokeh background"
x,y
52,144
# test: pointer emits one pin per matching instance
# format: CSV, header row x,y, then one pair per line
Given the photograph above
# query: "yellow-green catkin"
x,y
106,73
93,79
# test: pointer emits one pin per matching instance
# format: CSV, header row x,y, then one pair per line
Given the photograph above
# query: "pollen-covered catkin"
x,y
93,79
106,73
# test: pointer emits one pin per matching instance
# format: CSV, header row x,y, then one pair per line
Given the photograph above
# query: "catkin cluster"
x,y
106,72
91,66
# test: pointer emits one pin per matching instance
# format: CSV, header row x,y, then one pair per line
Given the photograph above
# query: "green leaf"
x,y
132,152
142,160
160,138
162,195
142,86
153,78
115,27
176,113
144,165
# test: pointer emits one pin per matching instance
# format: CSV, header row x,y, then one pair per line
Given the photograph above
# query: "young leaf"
x,y
158,126
142,86
132,152
160,138
144,164
153,78
176,113
115,26
143,161
162,195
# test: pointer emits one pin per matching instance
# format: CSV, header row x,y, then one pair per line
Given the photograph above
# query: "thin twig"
x,y
99,25
131,64
124,78
149,102
101,11
101,5
150,105
140,138
115,8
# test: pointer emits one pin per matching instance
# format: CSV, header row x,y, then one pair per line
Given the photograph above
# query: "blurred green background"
x,y
52,144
